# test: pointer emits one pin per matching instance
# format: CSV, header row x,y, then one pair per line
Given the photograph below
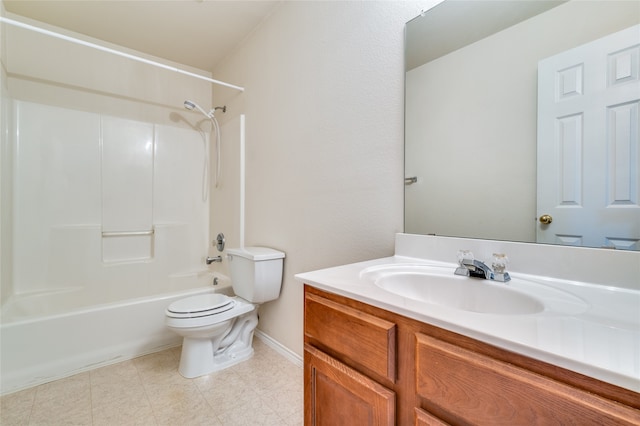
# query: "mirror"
x,y
473,164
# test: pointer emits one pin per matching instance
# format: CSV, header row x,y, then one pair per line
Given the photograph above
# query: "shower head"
x,y
190,105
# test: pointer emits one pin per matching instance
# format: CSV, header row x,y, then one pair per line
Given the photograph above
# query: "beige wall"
x,y
324,122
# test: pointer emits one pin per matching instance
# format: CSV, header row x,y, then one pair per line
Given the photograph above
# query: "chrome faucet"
x,y
210,260
474,268
470,267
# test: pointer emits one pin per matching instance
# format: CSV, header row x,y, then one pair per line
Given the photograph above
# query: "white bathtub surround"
x,y
105,199
108,221
127,160
601,340
108,224
80,177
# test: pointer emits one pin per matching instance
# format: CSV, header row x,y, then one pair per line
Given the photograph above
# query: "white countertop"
x,y
602,341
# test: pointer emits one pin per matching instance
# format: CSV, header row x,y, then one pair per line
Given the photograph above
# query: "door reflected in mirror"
x,y
473,132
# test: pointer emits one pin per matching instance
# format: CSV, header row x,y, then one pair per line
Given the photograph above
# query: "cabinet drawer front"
x,y
350,335
476,389
337,395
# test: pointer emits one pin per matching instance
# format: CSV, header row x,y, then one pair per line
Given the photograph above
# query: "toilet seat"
x,y
205,310
200,306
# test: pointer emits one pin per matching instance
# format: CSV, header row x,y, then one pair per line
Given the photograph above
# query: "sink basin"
x,y
467,294
438,285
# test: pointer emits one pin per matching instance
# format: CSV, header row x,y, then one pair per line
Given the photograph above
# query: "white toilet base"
x,y
203,355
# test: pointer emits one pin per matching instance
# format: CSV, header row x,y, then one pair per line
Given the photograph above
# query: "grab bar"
x,y
126,233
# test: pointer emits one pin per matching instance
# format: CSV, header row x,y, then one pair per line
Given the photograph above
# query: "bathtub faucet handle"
x,y
210,260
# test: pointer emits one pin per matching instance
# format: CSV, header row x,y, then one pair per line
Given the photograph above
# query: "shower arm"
x,y
190,105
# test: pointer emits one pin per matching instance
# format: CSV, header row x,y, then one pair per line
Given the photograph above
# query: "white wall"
x,y
324,108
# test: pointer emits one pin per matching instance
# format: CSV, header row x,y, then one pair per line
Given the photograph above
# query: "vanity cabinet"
x,y
369,366
349,365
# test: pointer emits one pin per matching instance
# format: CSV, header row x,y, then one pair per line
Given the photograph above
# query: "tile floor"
x,y
264,390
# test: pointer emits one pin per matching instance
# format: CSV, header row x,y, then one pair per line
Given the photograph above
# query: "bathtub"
x,y
48,336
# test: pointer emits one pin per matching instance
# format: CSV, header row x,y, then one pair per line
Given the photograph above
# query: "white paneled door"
x,y
588,159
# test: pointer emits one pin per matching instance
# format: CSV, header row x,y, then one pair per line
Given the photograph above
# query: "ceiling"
x,y
198,33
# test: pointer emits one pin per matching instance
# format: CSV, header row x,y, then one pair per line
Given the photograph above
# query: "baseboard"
x,y
279,347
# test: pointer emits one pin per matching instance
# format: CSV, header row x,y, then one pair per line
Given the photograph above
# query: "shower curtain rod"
x,y
116,52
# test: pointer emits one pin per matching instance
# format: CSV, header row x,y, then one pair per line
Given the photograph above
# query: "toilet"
x,y
218,329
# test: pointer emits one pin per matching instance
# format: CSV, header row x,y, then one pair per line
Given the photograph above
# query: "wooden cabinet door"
x,y
474,389
336,395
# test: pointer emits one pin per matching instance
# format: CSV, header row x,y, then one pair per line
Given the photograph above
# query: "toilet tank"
x,y
256,273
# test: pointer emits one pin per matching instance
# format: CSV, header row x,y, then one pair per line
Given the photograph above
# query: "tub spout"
x,y
210,260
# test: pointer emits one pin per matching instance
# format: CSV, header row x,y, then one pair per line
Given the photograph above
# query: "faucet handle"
x,y
465,256
499,266
499,262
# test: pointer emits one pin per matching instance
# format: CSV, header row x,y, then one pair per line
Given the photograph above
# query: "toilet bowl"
x,y
204,322
217,330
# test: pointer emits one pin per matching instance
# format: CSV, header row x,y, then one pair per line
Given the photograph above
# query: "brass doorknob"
x,y
546,219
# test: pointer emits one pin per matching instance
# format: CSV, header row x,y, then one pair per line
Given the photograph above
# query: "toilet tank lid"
x,y
256,253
